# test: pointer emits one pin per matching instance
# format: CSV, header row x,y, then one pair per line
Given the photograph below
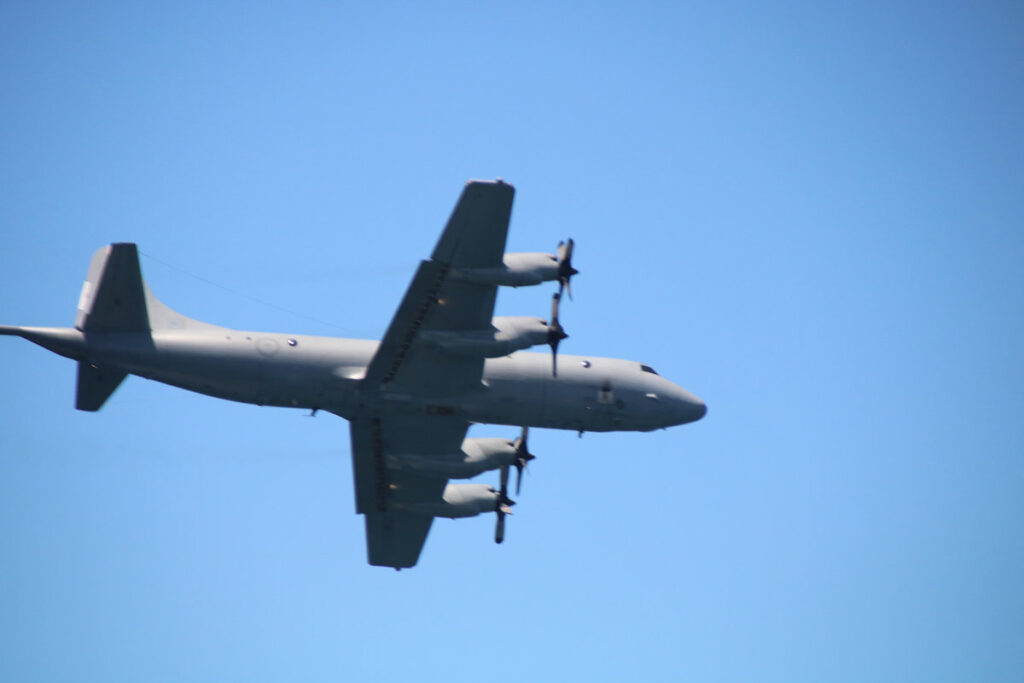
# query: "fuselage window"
x,y
648,368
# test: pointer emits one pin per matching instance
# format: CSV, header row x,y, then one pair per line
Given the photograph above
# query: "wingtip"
x,y
496,181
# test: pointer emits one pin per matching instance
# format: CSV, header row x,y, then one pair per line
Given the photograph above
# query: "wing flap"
x,y
370,474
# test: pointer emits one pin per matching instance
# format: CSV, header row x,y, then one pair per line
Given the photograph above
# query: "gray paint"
x,y
410,397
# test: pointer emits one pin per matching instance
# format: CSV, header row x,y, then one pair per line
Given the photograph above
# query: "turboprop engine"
x,y
476,456
525,269
517,270
469,500
463,500
505,336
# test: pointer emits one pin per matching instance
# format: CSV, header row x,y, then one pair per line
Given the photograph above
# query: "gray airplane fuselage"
x,y
444,363
588,394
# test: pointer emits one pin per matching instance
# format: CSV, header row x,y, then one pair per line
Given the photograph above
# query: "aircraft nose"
x,y
688,408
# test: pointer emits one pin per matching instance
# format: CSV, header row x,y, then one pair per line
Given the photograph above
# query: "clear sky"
x,y
809,216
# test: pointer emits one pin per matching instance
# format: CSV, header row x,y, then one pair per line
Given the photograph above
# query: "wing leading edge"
x,y
407,382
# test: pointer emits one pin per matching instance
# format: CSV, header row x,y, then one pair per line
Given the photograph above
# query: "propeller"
x,y
555,334
503,506
565,269
523,456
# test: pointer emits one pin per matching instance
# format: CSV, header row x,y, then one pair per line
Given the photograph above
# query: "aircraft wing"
x,y
395,537
408,385
473,238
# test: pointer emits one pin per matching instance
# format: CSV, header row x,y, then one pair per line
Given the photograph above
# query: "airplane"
x,y
444,364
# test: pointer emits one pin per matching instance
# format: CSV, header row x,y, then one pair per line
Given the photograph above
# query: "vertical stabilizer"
x,y
113,298
116,319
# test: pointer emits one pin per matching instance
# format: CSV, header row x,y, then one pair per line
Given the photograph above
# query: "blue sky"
x,y
808,215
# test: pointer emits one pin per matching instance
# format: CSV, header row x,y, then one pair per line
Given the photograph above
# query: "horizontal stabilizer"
x,y
95,385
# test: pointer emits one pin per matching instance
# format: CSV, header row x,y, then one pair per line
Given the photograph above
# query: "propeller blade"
x,y
521,441
565,250
503,502
502,506
499,531
565,269
556,333
523,456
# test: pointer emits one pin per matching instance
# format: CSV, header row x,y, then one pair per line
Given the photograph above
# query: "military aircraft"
x,y
444,364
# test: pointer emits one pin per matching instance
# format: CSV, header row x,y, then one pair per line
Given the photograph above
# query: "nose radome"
x,y
689,407
700,409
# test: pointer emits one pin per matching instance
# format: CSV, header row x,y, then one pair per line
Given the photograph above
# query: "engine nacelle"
x,y
459,500
506,336
518,270
476,456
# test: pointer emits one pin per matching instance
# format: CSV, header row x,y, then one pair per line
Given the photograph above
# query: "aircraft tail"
x,y
115,299
95,385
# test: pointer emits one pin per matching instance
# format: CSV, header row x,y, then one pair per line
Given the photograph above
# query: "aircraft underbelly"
x,y
505,402
544,404
222,371
250,369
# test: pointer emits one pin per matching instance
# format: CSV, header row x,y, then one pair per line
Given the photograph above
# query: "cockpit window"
x,y
648,368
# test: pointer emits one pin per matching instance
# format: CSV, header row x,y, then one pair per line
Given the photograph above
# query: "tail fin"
x,y
113,297
116,299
